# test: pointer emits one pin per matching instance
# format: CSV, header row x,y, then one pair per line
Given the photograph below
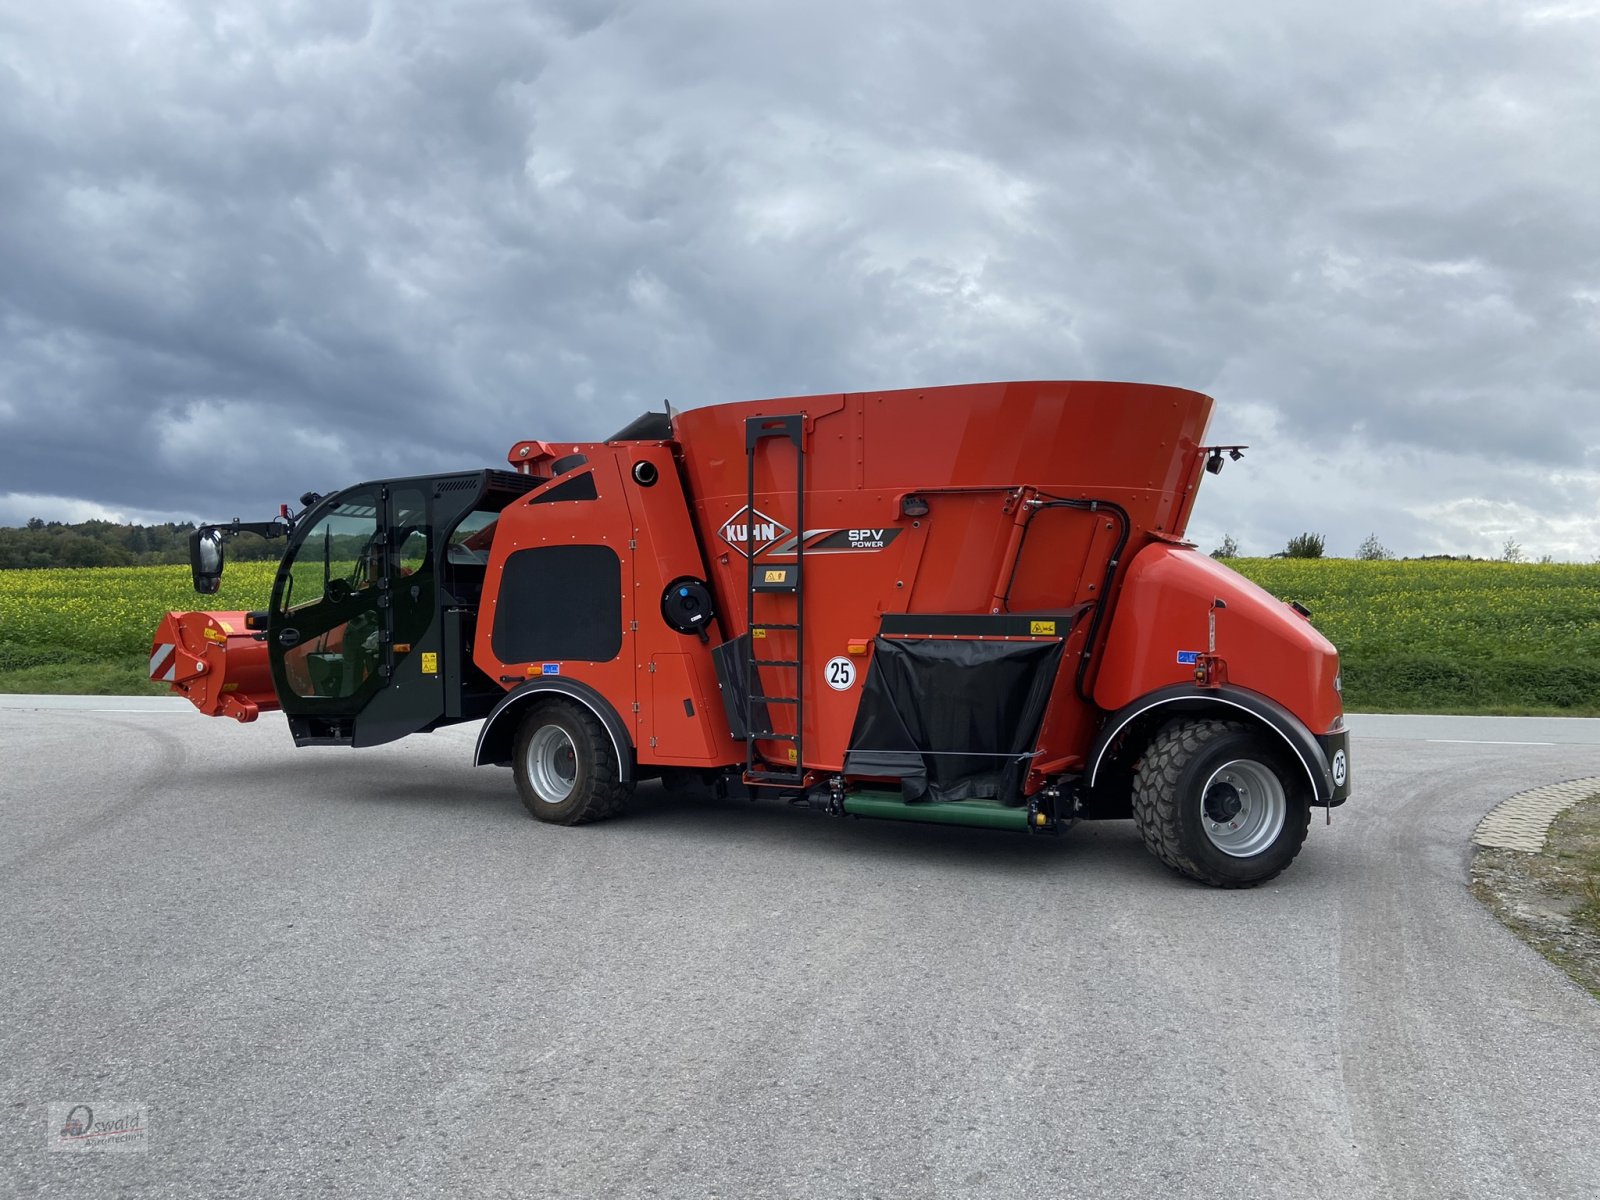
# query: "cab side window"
x,y
412,580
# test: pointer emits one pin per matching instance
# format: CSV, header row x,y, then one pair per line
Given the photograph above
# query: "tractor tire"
x,y
1215,801
565,766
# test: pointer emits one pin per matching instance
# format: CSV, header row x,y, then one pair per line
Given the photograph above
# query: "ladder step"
x,y
776,699
773,662
772,625
767,735
775,776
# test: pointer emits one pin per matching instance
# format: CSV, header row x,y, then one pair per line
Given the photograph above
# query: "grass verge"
x,y
1552,899
119,677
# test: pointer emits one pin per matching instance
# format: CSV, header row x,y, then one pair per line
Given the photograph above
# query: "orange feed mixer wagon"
x,y
967,605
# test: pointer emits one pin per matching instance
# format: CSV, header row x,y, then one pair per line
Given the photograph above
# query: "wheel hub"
x,y
552,764
1243,808
1223,803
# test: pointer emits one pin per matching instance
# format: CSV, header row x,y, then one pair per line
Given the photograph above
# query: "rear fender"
x,y
498,736
1226,702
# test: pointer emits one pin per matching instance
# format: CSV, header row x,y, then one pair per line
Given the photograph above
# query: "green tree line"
x,y
46,544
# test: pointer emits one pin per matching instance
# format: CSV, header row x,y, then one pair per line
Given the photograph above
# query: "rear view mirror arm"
x,y
206,547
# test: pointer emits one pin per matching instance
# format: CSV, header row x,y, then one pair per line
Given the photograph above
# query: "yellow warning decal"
x,y
758,633
1047,628
430,663
213,635
776,576
794,755
230,687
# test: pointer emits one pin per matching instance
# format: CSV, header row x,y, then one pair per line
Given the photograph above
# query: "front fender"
x,y
1179,699
499,732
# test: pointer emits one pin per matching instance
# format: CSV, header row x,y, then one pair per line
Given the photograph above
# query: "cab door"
x,y
410,638
325,625
353,628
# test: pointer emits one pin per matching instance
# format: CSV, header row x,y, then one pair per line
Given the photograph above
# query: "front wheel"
x,y
565,766
1217,802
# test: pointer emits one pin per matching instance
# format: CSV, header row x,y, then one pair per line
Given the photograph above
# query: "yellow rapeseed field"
x,y
103,613
1476,609
1452,636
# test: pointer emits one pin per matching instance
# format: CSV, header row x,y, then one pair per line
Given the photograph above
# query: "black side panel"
x,y
579,487
648,427
732,661
511,484
559,602
953,720
468,693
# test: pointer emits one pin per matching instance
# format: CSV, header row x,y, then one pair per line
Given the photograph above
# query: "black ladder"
x,y
771,581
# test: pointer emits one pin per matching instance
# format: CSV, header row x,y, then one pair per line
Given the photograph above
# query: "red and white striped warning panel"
x,y
164,662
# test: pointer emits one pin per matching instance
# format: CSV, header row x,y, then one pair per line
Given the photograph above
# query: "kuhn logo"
x,y
752,527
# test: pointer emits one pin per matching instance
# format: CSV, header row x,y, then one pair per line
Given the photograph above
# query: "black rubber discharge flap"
x,y
952,719
732,660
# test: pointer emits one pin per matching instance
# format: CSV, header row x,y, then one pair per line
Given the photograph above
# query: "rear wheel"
x,y
566,769
1218,802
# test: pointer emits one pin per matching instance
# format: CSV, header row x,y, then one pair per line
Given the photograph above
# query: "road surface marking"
x,y
160,711
1480,742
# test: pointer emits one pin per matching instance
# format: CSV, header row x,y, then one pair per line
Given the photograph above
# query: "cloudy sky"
x,y
251,249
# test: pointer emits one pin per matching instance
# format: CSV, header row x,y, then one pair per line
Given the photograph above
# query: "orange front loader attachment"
x,y
215,662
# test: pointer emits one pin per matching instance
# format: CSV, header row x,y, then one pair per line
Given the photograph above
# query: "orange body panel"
x,y
1162,625
657,669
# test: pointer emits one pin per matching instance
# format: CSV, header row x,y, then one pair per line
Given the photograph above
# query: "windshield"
x,y
335,556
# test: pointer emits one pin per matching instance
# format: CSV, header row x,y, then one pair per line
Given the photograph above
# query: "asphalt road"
x,y
369,973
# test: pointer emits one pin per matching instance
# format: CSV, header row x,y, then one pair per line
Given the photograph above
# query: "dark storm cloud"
x,y
251,249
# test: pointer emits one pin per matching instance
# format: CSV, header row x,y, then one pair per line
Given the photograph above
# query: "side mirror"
x,y
205,560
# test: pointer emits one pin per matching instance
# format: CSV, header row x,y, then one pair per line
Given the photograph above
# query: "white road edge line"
x,y
1479,742
165,712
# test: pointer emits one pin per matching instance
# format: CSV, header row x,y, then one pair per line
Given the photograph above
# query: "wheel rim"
x,y
552,764
1243,808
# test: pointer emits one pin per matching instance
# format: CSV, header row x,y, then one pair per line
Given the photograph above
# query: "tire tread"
x,y
607,794
1156,800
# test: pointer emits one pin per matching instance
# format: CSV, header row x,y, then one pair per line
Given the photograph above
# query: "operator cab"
x,y
375,606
